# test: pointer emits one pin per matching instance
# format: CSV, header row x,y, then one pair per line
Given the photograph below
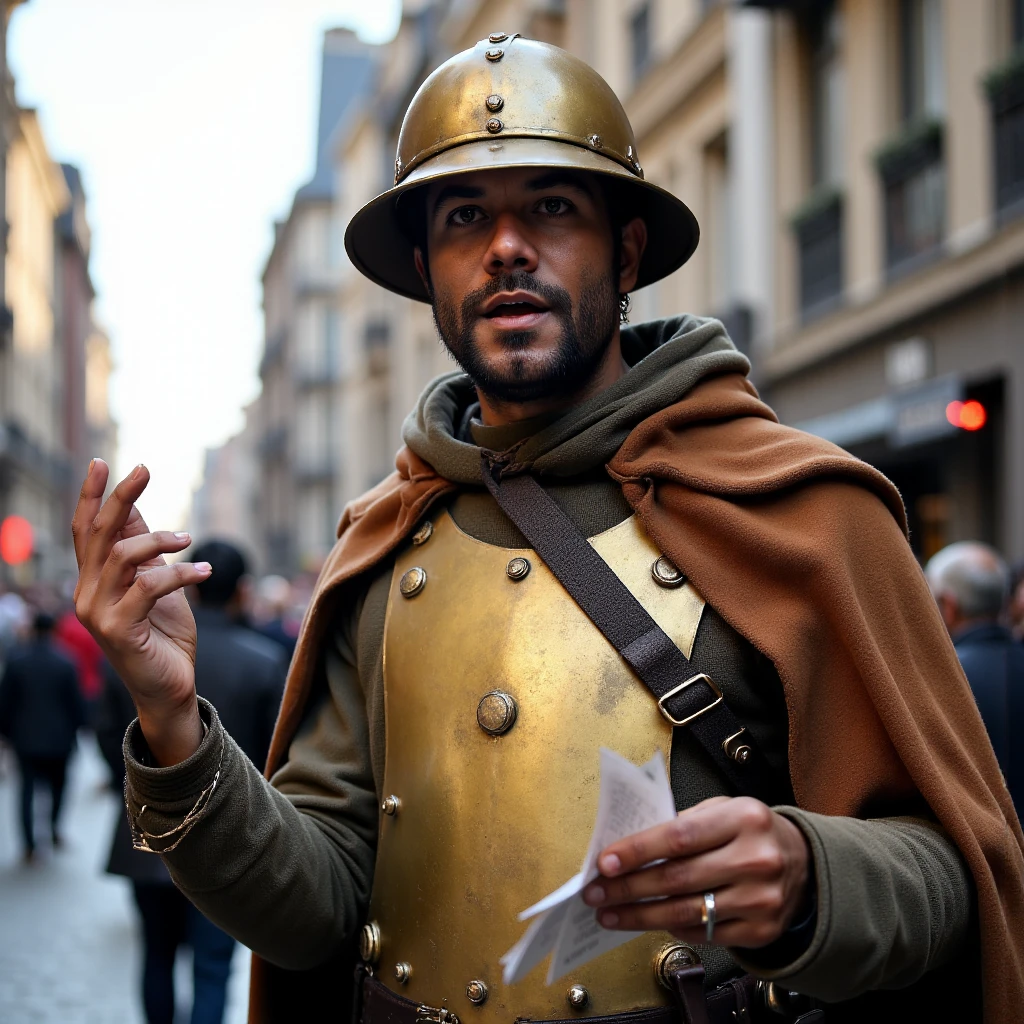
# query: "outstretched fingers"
x,y
89,500
118,515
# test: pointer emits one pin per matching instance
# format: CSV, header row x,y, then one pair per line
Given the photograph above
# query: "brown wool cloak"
x,y
801,548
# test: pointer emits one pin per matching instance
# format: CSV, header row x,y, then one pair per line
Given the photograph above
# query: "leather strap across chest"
x,y
687,698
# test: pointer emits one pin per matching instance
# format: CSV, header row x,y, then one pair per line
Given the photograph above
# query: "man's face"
x,y
520,269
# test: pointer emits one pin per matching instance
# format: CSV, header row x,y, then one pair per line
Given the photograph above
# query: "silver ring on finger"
x,y
707,916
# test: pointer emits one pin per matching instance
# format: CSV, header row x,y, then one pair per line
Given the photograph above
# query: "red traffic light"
x,y
15,540
970,415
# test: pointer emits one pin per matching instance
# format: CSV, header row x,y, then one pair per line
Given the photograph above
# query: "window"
x,y
1005,88
921,66
912,167
828,98
719,237
640,32
818,224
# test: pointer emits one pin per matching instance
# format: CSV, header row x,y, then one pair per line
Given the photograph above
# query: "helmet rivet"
x,y
497,37
596,141
494,102
494,55
398,168
494,125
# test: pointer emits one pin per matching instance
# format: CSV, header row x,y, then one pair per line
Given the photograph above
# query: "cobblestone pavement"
x,y
69,945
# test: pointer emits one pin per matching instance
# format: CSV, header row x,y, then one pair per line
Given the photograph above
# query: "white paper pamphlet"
x,y
632,798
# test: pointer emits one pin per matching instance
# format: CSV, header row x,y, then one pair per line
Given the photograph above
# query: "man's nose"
x,y
509,247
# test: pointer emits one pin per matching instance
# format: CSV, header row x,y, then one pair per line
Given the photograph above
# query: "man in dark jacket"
x,y
41,710
971,585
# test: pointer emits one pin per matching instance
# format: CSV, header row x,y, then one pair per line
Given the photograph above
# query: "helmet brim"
x,y
379,247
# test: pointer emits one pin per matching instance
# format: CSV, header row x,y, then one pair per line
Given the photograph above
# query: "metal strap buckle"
x,y
679,689
432,1015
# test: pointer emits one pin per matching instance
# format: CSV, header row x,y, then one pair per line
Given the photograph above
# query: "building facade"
x,y
54,362
856,169
297,412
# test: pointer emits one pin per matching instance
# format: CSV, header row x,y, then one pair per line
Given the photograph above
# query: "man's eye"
x,y
555,205
464,215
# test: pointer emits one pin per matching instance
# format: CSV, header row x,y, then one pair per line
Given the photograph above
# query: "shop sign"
x,y
919,416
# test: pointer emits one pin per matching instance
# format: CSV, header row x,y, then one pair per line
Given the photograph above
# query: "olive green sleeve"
x,y
284,868
894,902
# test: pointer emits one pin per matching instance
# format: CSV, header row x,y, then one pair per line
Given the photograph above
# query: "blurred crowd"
x,y
56,682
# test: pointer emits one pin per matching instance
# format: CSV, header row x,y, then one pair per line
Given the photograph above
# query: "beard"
x,y
585,334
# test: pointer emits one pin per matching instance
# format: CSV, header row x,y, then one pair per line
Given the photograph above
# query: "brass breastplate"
x,y
485,825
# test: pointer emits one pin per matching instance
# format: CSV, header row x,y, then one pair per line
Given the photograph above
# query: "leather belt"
x,y
735,1002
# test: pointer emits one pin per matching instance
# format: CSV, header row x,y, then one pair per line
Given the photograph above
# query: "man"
x,y
445,675
243,673
971,584
41,710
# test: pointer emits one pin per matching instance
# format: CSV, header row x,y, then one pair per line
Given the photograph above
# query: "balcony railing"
x,y
1005,88
913,174
819,236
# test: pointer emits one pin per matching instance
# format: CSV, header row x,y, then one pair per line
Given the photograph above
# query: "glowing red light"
x,y
15,540
969,415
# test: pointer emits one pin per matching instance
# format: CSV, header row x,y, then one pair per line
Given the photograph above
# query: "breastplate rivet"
x,y
369,943
402,972
412,581
476,992
518,568
577,997
497,712
671,958
666,574
390,805
422,535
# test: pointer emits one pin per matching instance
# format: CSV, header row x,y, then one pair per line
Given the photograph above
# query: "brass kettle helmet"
x,y
514,102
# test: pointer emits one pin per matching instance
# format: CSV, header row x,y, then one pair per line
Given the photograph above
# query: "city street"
x,y
69,946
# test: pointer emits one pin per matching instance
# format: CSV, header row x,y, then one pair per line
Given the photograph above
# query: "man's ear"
x,y
421,269
634,241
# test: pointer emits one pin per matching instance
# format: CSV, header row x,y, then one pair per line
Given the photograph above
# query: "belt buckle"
x,y
679,689
432,1015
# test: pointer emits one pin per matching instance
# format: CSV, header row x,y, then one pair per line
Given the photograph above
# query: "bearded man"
x,y
746,603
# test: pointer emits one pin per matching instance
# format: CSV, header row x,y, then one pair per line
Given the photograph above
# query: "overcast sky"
x,y
193,122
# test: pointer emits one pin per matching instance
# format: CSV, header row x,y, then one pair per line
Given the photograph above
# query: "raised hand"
x,y
132,602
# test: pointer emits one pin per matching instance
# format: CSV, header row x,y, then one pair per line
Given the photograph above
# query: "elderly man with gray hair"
x,y
971,584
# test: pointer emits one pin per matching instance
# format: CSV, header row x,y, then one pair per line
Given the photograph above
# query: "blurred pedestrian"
x,y
78,644
245,673
971,584
41,710
1015,610
241,672
273,602
13,620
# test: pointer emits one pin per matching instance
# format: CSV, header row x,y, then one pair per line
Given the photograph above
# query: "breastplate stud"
x,y
666,574
577,997
369,943
390,805
671,958
518,568
413,581
402,972
476,992
496,713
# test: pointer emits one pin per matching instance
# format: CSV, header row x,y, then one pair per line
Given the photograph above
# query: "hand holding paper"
x,y
632,798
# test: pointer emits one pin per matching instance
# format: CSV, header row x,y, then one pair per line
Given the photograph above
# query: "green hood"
x,y
666,359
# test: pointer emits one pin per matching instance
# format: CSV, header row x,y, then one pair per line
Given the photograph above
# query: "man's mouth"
x,y
518,309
